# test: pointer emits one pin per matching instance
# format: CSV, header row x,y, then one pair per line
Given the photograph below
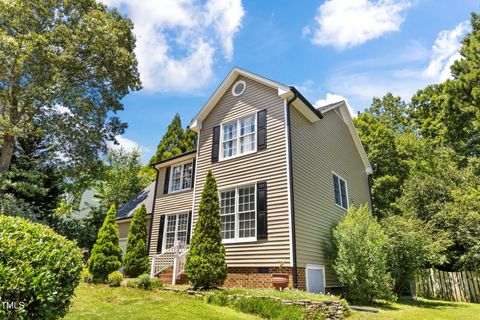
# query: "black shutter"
x,y
193,172
262,129
189,226
261,210
160,234
167,180
215,143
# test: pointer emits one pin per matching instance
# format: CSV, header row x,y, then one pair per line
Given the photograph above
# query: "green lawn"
x,y
421,310
102,302
287,294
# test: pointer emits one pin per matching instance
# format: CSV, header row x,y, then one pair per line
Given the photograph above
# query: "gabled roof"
x,y
284,91
342,107
143,197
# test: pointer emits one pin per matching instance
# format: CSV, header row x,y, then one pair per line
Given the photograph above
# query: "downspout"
x,y
370,183
153,208
292,200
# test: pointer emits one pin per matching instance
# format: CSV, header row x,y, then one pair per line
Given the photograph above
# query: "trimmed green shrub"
x,y
106,254
205,266
39,270
361,258
115,279
131,283
86,276
135,261
144,282
157,283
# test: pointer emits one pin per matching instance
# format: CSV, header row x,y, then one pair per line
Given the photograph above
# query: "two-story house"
x,y
286,171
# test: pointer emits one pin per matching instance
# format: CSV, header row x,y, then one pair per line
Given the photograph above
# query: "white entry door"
x,y
176,230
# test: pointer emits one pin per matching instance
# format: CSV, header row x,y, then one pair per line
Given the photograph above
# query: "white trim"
x,y
236,84
318,267
237,138
340,189
237,238
196,123
194,184
182,165
164,238
289,200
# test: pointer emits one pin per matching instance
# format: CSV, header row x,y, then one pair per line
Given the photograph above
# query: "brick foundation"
x,y
254,278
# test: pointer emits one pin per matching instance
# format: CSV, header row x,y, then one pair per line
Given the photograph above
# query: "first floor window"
x,y
340,191
238,213
181,177
176,226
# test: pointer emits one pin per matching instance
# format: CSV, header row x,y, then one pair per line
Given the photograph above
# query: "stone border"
x,y
333,310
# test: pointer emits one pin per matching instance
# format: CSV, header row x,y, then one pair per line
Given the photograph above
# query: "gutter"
x,y
153,209
297,94
370,183
292,200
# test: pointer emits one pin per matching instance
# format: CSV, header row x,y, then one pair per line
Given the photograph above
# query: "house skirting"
x,y
260,277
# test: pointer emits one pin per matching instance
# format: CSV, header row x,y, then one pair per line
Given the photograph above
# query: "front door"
x,y
176,230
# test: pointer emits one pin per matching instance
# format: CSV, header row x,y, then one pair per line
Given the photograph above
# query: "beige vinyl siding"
x,y
168,203
123,227
318,149
266,165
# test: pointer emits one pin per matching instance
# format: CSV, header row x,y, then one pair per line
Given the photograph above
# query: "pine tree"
x,y
106,254
205,266
135,260
175,141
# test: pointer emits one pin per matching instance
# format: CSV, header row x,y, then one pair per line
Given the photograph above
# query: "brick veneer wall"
x,y
253,277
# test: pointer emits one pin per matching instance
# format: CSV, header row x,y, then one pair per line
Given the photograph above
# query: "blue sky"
x,y
353,49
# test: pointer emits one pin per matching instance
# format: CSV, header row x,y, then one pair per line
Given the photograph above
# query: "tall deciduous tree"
x,y
135,261
122,178
175,141
449,113
205,266
65,67
106,254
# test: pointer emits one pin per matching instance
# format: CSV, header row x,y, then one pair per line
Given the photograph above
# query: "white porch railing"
x,y
174,257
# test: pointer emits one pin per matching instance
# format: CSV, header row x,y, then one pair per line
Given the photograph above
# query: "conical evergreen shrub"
x,y
106,254
205,266
135,261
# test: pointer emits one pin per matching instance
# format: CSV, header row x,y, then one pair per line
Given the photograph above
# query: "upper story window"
x,y
340,191
238,214
239,137
181,176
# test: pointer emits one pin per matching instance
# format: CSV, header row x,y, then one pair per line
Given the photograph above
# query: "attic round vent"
x,y
238,88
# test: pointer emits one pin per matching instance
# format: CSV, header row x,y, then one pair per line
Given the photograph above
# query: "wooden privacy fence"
x,y
452,286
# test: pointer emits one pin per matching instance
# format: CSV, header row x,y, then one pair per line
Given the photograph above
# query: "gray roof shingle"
x,y
143,197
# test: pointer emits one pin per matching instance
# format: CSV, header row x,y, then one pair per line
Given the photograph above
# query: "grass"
x,y
103,302
421,310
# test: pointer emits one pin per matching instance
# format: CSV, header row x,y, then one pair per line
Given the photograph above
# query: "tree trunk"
x,y
7,152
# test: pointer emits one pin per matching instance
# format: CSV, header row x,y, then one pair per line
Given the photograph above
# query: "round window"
x,y
238,88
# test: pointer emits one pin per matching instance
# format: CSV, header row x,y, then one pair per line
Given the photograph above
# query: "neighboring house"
x,y
125,212
285,171
88,202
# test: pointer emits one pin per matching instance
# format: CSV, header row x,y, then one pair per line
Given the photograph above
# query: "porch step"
x,y
167,278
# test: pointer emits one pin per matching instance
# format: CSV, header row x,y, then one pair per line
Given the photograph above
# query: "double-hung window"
x,y
239,137
181,177
238,214
340,191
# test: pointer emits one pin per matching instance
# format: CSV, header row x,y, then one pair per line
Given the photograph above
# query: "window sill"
x,y
237,157
346,209
177,192
240,240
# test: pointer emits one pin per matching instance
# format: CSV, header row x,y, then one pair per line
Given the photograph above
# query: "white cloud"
x,y
344,24
126,144
445,52
177,40
332,98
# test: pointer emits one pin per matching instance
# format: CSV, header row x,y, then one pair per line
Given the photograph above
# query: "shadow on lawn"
x,y
428,304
